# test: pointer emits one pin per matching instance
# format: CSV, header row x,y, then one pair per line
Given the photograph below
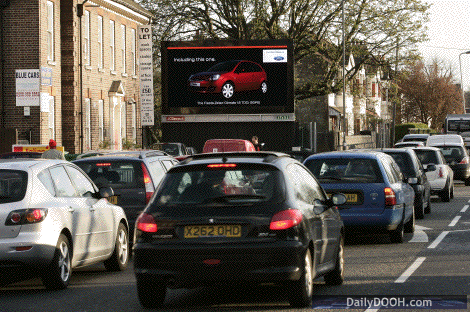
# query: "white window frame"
x,y
123,48
50,31
101,120
100,41
51,123
112,55
87,125
133,51
86,38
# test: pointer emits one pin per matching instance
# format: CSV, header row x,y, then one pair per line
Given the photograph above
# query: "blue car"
x,y
379,199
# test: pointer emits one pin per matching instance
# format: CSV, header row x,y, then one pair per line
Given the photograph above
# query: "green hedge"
x,y
401,130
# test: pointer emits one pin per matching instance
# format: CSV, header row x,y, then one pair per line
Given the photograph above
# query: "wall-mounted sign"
x,y
146,74
46,76
27,87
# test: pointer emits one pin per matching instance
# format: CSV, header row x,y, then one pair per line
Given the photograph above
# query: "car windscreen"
x,y
345,170
220,184
427,156
13,185
169,148
118,174
223,67
405,163
452,154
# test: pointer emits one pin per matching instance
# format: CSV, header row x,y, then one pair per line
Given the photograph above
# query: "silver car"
x,y
53,219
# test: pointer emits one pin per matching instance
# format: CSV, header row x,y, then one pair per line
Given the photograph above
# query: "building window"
x,y
112,56
87,117
123,47
50,31
101,120
86,38
100,41
51,124
133,54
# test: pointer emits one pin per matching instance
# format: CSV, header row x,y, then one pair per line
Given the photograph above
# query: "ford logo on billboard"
x,y
278,58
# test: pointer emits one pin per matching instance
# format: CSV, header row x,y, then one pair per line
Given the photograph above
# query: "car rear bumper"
x,y
438,185
190,265
367,222
461,171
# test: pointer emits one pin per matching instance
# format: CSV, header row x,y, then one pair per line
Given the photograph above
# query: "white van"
x,y
440,139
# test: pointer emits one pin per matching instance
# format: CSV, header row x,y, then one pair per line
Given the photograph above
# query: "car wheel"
x,y
410,225
301,291
228,90
445,194
58,273
419,208
396,236
452,190
336,277
264,87
120,257
151,292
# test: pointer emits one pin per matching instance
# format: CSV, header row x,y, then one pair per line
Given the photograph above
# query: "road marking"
x,y
454,222
410,270
419,236
438,240
464,208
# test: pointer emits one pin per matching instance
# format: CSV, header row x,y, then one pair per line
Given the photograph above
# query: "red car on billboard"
x,y
230,77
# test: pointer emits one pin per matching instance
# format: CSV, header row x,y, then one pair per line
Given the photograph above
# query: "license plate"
x,y
350,198
223,230
112,200
195,84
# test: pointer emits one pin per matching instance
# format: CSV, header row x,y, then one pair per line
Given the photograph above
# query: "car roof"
x,y
416,135
426,148
128,155
29,163
239,157
355,153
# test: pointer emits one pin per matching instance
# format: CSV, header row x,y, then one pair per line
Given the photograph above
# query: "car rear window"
x,y
345,170
13,185
119,174
220,184
452,153
405,163
427,156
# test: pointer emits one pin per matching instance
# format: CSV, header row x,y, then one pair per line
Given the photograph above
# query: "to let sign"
x,y
146,75
27,87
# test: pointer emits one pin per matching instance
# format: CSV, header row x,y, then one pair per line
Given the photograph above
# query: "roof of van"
x,y
444,139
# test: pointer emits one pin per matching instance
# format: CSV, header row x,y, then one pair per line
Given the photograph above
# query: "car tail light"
x,y
441,173
149,189
26,216
221,166
285,219
146,223
464,160
390,197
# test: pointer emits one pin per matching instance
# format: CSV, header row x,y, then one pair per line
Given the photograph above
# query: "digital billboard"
x,y
227,77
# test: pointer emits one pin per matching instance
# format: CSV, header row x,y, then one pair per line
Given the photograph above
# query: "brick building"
x,y
82,105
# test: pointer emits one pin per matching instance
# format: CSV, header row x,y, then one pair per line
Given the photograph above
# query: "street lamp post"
x,y
344,79
461,80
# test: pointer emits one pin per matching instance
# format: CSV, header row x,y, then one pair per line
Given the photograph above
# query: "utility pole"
x,y
394,109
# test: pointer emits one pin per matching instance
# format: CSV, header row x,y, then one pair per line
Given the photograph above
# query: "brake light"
x,y
149,189
221,166
26,216
390,197
285,219
103,164
441,173
146,223
464,160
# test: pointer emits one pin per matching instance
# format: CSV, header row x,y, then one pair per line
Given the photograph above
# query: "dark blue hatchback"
x,y
378,197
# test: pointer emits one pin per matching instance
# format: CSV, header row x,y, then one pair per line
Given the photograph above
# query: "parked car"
x,y
379,199
416,175
54,219
466,139
442,177
421,137
14,155
232,218
175,149
456,155
133,175
409,144
440,139
227,145
229,77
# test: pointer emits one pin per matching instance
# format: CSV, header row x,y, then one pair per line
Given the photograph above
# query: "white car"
x,y
54,219
409,144
442,178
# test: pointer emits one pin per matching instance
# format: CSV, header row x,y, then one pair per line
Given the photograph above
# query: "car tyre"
x,y
151,292
228,90
396,236
419,208
336,277
410,225
452,191
264,87
446,193
119,260
301,291
57,274
427,210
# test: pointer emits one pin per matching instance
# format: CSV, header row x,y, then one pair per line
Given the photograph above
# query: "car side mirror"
x,y
412,181
430,167
338,199
106,192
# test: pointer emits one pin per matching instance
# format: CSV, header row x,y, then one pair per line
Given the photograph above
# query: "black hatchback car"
x,y
228,218
413,170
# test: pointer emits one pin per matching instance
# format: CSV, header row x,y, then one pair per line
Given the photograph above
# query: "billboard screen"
x,y
227,77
